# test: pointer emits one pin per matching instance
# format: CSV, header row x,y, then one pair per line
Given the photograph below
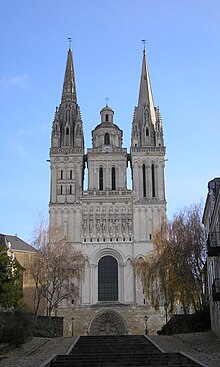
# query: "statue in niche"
x,y
90,226
98,226
129,225
123,225
116,227
104,226
110,226
84,227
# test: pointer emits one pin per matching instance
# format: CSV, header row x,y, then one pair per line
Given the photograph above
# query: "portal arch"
x,y
108,322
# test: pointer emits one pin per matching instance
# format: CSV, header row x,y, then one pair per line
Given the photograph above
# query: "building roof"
x,y
17,244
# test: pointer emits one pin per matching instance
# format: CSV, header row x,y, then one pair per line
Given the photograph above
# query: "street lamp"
x,y
166,304
55,320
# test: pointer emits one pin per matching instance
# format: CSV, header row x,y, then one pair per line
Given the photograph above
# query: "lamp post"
x,y
166,304
55,320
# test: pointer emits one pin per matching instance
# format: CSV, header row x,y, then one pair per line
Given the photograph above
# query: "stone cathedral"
x,y
111,224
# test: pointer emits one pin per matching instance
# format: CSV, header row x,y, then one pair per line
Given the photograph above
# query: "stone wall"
x,y
136,319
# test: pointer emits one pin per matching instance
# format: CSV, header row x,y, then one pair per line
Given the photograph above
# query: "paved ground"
x,y
204,347
36,351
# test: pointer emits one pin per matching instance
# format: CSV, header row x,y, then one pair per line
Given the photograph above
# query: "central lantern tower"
x,y
109,223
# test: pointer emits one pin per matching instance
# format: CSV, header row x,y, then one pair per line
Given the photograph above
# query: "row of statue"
x,y
103,227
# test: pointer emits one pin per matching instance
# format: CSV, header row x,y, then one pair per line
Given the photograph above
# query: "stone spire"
x,y
67,128
69,85
147,125
145,99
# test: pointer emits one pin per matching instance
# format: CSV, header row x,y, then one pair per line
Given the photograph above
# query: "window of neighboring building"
x,y
113,179
107,139
108,279
100,178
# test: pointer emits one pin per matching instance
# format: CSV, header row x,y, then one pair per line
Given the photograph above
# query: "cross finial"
x,y
144,43
106,101
70,42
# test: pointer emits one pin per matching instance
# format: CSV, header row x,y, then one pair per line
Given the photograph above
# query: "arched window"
x,y
106,139
144,180
100,178
67,131
147,131
113,179
106,118
153,180
108,279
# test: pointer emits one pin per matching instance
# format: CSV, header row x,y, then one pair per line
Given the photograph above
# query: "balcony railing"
x,y
213,244
216,290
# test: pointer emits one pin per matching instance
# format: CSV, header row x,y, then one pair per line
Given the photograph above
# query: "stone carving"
x,y
123,226
110,227
90,226
104,226
98,227
129,226
84,227
108,323
116,227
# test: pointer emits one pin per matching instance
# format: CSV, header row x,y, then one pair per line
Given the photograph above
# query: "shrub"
x,y
15,326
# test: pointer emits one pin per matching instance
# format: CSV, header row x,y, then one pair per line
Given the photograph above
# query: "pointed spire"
x,y
69,85
145,99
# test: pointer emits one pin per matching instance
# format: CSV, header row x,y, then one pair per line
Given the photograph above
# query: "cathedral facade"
x,y
111,224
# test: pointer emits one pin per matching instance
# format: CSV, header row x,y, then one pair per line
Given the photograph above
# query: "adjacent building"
x,y
111,224
23,252
211,220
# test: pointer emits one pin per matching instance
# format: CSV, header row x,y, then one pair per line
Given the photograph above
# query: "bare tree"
x,y
56,268
175,271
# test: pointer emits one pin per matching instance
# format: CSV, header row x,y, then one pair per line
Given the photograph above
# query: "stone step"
x,y
121,351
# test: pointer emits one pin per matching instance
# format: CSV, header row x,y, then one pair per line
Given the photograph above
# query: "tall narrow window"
x,y
100,178
106,118
106,139
108,279
67,131
144,180
61,174
113,179
147,132
70,189
71,174
61,189
153,180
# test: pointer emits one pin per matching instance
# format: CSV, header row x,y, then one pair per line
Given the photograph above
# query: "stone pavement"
x,y
36,351
204,347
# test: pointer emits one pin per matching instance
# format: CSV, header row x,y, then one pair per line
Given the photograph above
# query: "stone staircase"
x,y
129,350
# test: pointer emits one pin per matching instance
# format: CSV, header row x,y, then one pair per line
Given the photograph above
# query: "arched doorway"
x,y
108,322
108,279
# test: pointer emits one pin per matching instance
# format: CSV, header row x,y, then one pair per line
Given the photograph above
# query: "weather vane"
x,y
144,43
106,101
70,42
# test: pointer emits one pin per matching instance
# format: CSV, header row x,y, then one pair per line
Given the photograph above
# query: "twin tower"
x,y
111,224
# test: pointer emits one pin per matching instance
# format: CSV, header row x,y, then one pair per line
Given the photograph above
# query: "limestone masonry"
x,y
109,223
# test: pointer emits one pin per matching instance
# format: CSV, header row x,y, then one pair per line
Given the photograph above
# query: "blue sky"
x,y
183,51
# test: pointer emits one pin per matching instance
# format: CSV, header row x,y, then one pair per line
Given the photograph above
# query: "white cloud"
x,y
17,80
20,150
